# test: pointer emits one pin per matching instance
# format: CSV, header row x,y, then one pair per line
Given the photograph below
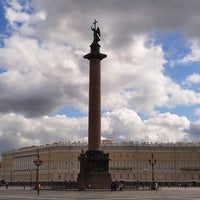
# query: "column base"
x,y
94,170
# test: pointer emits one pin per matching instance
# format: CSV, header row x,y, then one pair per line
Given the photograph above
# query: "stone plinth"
x,y
94,171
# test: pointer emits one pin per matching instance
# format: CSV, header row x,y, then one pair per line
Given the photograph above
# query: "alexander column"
x,y
94,164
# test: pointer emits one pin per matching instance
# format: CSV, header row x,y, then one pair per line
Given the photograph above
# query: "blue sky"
x,y
3,21
150,78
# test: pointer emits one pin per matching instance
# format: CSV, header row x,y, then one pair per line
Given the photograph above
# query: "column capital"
x,y
95,52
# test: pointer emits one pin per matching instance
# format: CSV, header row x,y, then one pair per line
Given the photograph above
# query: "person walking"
x,y
38,188
156,187
120,186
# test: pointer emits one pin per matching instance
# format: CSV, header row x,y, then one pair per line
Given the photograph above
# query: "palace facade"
x,y
133,162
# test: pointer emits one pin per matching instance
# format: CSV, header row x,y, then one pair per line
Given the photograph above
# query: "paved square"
x,y
18,193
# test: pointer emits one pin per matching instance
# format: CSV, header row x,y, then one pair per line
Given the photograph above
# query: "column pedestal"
x,y
94,170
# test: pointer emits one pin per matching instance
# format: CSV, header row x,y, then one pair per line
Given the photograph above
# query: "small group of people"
x,y
115,185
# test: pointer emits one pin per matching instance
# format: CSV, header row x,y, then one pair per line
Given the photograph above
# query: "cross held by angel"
x,y
96,32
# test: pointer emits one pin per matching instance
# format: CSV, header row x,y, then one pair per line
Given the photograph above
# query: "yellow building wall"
x,y
130,162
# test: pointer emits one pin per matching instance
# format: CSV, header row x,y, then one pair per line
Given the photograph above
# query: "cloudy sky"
x,y
150,79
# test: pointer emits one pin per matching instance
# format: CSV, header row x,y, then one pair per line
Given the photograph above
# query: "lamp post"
x,y
37,163
152,162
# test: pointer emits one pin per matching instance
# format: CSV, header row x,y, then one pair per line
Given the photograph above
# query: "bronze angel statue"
x,y
96,32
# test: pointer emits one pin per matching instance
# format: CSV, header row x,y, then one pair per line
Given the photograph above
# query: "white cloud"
x,y
15,5
127,125
167,127
193,79
197,112
20,19
194,55
179,96
14,16
128,79
38,78
134,82
194,131
118,125
17,131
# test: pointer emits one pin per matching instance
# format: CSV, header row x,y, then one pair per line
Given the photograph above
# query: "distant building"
x,y
176,164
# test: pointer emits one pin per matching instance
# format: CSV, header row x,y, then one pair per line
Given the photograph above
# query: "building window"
x,y
140,163
185,176
184,163
165,163
78,165
72,164
59,164
159,176
127,164
65,164
140,176
166,176
128,176
121,176
146,164
159,165
179,176
113,176
134,164
72,176
121,163
52,165
133,176
191,163
172,176
172,164
59,176
178,165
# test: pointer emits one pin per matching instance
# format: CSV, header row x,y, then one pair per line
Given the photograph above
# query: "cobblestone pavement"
x,y
16,193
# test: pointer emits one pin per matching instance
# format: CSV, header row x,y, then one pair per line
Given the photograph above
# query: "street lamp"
x,y
152,162
37,163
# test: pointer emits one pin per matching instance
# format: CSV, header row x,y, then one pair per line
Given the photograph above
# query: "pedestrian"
x,y
38,188
120,186
115,186
156,187
112,186
6,186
